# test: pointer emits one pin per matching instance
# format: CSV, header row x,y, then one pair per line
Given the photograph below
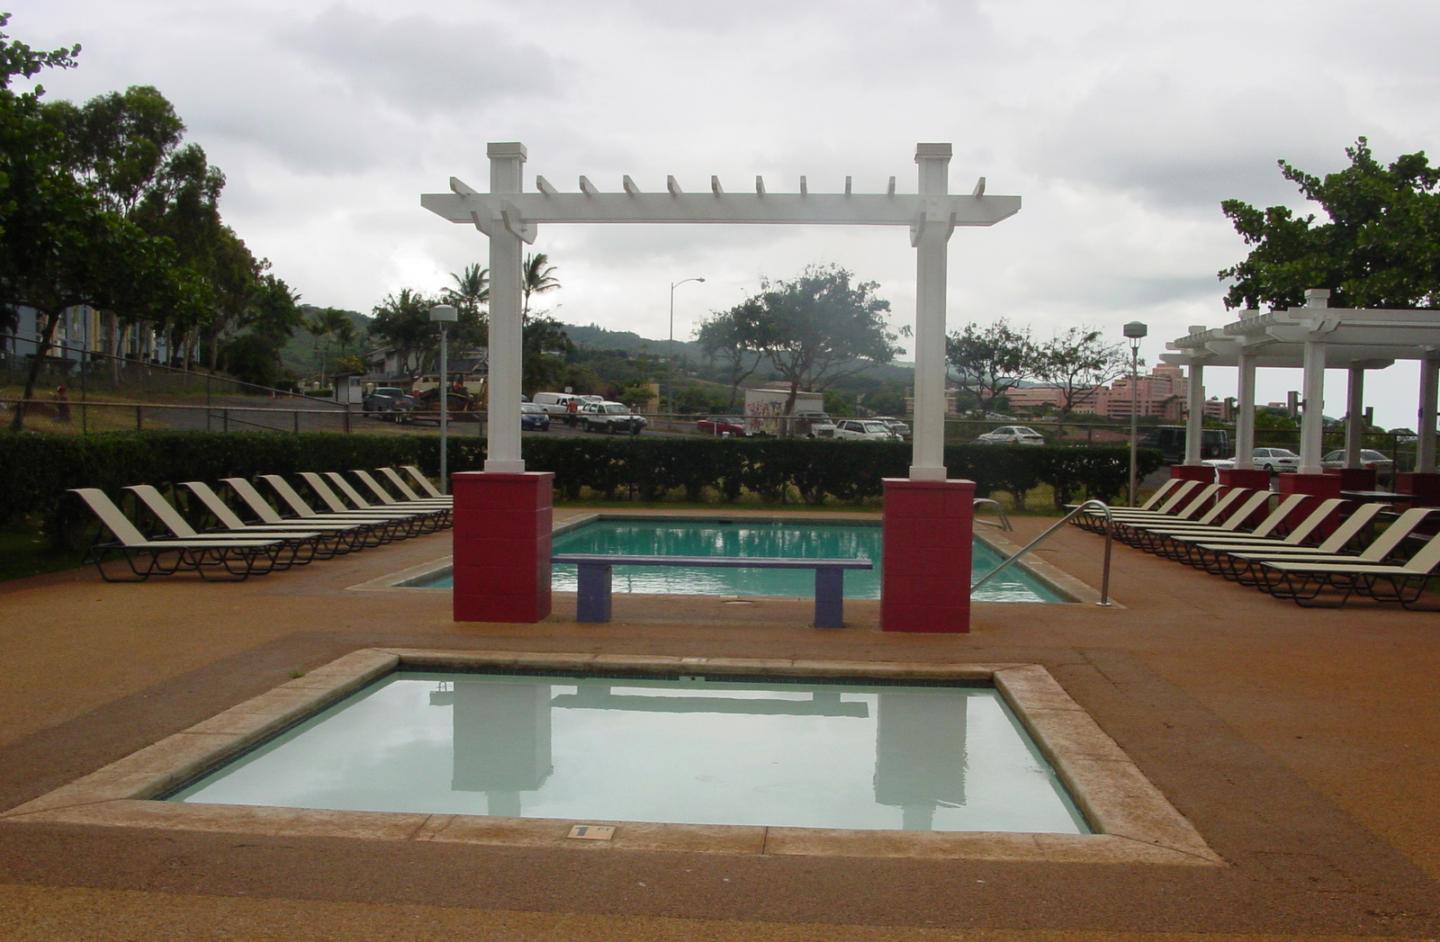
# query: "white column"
x,y
931,240
1429,392
1245,419
1195,421
1355,418
506,339
1312,419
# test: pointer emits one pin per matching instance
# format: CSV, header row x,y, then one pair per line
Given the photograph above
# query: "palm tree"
x,y
472,289
537,277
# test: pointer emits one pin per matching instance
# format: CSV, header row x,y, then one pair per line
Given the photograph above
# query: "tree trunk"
x,y
42,347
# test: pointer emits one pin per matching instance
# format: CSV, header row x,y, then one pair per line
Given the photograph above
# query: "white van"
x,y
555,403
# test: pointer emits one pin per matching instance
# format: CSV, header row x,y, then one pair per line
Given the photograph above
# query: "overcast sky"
x,y
1122,125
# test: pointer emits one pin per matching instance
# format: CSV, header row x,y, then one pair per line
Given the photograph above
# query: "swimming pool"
x,y
673,536
774,752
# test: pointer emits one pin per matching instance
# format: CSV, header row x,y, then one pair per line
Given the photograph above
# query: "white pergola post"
x,y
1195,421
1245,419
506,330
1312,418
1355,417
1429,394
931,238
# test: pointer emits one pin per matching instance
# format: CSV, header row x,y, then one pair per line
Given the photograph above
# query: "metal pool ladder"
x,y
1081,508
1004,521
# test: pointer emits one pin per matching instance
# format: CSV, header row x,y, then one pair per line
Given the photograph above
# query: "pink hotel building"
x,y
1159,394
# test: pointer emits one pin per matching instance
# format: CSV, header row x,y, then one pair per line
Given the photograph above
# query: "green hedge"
x,y
36,470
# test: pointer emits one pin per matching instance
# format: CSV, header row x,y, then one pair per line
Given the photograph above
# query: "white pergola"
x,y
1313,337
510,217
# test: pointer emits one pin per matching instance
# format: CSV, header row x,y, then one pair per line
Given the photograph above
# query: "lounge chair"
x,y
426,520
1094,521
404,488
1160,538
1239,561
239,558
1193,510
396,525
1302,580
300,546
424,482
372,532
1184,545
441,508
333,538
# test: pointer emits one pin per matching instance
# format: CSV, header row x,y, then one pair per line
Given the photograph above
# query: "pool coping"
x,y
1070,589
1133,822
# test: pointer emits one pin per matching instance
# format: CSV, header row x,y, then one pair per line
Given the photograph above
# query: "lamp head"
x,y
1135,330
444,314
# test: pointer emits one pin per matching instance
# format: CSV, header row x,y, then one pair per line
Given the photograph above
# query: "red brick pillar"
x,y
1319,485
502,546
1425,485
1193,472
925,583
1257,478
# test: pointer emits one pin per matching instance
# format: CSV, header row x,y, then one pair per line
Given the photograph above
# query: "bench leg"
x,y
829,597
593,592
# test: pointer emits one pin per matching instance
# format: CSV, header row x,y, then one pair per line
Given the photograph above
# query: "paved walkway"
x,y
1301,744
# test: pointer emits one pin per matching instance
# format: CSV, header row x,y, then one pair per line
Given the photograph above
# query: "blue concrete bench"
x,y
593,570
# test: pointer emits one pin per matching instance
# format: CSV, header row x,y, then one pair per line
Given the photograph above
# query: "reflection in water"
x,y
919,756
687,750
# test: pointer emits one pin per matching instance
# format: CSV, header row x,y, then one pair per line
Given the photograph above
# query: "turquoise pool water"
x,y
681,537
690,750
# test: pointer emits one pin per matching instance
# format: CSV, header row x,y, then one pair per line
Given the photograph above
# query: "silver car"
x,y
1011,435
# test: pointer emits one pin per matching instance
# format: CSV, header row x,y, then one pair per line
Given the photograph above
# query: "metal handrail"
x,y
1004,523
1105,572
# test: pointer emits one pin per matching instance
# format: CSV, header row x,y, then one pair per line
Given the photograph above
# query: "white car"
x,y
1274,460
867,430
1370,459
1011,435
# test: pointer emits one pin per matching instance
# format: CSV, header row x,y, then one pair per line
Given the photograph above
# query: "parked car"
x,y
868,430
388,402
1275,460
606,416
1011,435
723,426
533,418
554,403
1369,459
812,425
901,429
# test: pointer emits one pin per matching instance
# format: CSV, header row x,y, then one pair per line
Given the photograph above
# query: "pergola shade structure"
x,y
510,217
1314,337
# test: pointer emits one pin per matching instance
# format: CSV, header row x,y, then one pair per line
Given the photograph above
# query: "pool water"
x,y
808,540
768,752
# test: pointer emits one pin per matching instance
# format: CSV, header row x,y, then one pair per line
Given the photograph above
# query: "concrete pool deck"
x,y
1303,746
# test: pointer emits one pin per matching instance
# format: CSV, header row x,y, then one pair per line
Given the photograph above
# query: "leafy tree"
x,y
991,359
537,277
817,328
722,339
403,321
1380,248
1077,363
545,349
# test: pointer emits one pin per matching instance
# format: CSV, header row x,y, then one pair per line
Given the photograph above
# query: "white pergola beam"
x,y
769,209
673,185
629,185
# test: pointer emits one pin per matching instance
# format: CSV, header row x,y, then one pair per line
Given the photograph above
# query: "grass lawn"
x,y
26,552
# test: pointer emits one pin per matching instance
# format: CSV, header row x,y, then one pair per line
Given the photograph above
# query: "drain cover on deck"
x,y
592,832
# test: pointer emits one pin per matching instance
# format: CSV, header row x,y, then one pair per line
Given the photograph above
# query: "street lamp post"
x,y
444,315
1135,332
671,384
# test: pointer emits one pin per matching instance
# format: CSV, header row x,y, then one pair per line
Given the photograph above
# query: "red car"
x,y
722,426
